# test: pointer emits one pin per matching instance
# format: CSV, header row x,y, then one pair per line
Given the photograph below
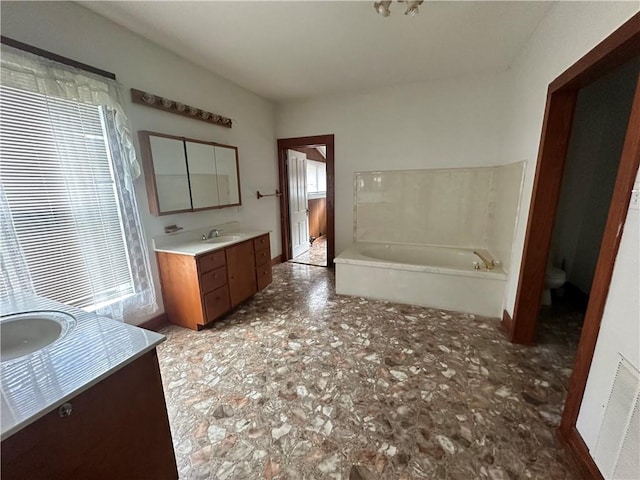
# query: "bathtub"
x,y
431,276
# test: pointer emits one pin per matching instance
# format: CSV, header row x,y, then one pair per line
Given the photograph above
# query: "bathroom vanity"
x,y
89,405
202,279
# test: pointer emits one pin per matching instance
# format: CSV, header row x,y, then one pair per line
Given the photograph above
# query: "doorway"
x,y
588,180
306,169
617,49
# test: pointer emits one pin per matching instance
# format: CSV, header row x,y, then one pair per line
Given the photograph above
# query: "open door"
x,y
328,146
298,206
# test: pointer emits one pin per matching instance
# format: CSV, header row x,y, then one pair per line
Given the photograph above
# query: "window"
x,y
58,179
316,178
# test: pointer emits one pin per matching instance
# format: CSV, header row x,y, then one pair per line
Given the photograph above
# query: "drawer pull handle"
x,y
65,410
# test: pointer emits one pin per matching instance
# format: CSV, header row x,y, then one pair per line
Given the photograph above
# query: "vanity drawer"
x,y
261,243
263,257
211,261
213,279
263,274
216,303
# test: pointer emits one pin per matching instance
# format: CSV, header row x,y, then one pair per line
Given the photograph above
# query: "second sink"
x,y
24,333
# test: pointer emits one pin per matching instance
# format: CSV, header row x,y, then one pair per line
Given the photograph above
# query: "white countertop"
x,y
34,385
191,243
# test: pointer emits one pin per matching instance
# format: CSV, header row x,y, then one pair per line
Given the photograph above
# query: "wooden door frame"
x,y
618,48
285,144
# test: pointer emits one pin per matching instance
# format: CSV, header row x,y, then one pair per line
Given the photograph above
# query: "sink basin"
x,y
224,239
25,333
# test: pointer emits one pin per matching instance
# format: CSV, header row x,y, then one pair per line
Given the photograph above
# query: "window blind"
x,y
57,176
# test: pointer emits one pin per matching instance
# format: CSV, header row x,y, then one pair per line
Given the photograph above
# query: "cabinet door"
x,y
170,173
241,269
202,175
217,303
117,429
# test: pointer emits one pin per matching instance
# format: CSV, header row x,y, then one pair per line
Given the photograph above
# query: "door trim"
x,y
618,48
285,144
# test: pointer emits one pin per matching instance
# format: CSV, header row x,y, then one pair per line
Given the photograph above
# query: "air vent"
x,y
618,443
628,465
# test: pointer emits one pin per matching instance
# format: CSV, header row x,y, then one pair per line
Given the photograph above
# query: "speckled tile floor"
x,y
316,255
301,383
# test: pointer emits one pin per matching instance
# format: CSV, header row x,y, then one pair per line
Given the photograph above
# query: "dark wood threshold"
x,y
577,449
156,323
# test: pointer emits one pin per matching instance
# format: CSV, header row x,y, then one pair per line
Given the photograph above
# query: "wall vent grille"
x,y
618,443
628,466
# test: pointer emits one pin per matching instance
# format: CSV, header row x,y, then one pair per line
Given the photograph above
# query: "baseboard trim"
x,y
156,323
507,324
579,452
276,260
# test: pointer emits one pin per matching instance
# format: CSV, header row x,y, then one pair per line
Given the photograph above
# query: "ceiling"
x,y
292,50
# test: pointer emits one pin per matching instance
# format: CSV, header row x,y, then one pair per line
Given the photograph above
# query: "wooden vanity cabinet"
x,y
198,290
118,428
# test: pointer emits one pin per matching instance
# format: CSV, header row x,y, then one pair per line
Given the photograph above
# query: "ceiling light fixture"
x,y
383,9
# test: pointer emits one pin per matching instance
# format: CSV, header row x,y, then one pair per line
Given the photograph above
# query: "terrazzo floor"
x,y
301,383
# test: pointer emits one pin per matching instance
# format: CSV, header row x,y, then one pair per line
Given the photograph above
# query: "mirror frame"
x,y
150,176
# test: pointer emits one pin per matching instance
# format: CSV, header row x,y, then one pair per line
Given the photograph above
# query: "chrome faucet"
x,y
488,264
213,233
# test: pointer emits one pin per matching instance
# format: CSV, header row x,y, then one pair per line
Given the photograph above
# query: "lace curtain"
x,y
29,72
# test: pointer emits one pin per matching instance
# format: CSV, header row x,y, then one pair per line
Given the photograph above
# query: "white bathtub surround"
x,y
460,207
441,277
504,210
428,207
415,232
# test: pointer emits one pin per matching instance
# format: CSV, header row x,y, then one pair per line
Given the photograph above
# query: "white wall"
x,y
597,137
73,31
453,122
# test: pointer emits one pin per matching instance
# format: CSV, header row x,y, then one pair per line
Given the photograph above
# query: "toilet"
x,y
554,278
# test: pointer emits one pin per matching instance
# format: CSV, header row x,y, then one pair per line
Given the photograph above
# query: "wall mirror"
x,y
188,175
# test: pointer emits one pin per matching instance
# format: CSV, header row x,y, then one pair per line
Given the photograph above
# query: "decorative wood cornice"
x,y
171,106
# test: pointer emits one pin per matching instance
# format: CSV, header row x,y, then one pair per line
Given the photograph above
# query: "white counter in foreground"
x,y
95,347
